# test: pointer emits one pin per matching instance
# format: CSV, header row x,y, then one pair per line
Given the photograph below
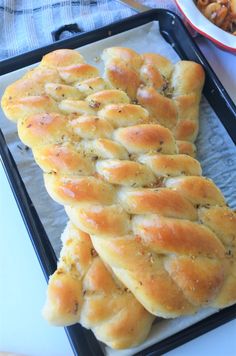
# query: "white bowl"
x,y
205,27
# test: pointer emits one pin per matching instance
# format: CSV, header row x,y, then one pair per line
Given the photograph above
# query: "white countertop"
x,y
22,284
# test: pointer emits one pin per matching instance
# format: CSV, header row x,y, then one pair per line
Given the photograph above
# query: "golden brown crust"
x,y
23,107
123,78
122,115
199,190
171,93
188,77
159,201
161,108
172,165
90,127
105,97
128,56
63,158
146,138
104,148
82,286
43,128
199,279
62,91
165,235
187,148
123,182
151,77
61,58
160,63
186,130
105,220
28,94
144,273
73,73
78,190
222,221
187,106
125,173
76,107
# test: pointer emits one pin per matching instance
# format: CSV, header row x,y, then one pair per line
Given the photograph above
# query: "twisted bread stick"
x,y
108,308
105,162
83,290
171,93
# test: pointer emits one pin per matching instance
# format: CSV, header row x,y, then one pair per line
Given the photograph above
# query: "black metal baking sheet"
x,y
173,31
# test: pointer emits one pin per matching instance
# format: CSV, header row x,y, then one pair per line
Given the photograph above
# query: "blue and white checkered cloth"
x,y
28,24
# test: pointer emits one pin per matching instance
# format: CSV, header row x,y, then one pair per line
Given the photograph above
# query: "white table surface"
x,y
22,284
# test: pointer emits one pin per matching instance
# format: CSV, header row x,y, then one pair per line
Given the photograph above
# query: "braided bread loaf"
x,y
171,93
152,217
83,290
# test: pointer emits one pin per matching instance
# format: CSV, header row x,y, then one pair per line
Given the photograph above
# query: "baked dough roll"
x,y
122,180
40,89
83,290
150,202
171,93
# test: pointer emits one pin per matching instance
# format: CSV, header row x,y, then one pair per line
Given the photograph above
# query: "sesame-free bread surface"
x,y
151,215
84,290
170,92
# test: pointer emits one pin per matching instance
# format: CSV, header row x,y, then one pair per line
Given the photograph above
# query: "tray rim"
x,y
81,339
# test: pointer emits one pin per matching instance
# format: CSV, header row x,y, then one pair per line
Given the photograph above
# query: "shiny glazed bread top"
x,y
83,290
152,217
170,93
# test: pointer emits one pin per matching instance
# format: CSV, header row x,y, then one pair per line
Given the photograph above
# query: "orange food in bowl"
x,y
220,12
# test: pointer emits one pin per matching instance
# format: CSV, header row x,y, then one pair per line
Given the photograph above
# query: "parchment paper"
x,y
216,153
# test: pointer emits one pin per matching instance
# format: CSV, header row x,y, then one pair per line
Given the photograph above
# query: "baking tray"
x,y
173,31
